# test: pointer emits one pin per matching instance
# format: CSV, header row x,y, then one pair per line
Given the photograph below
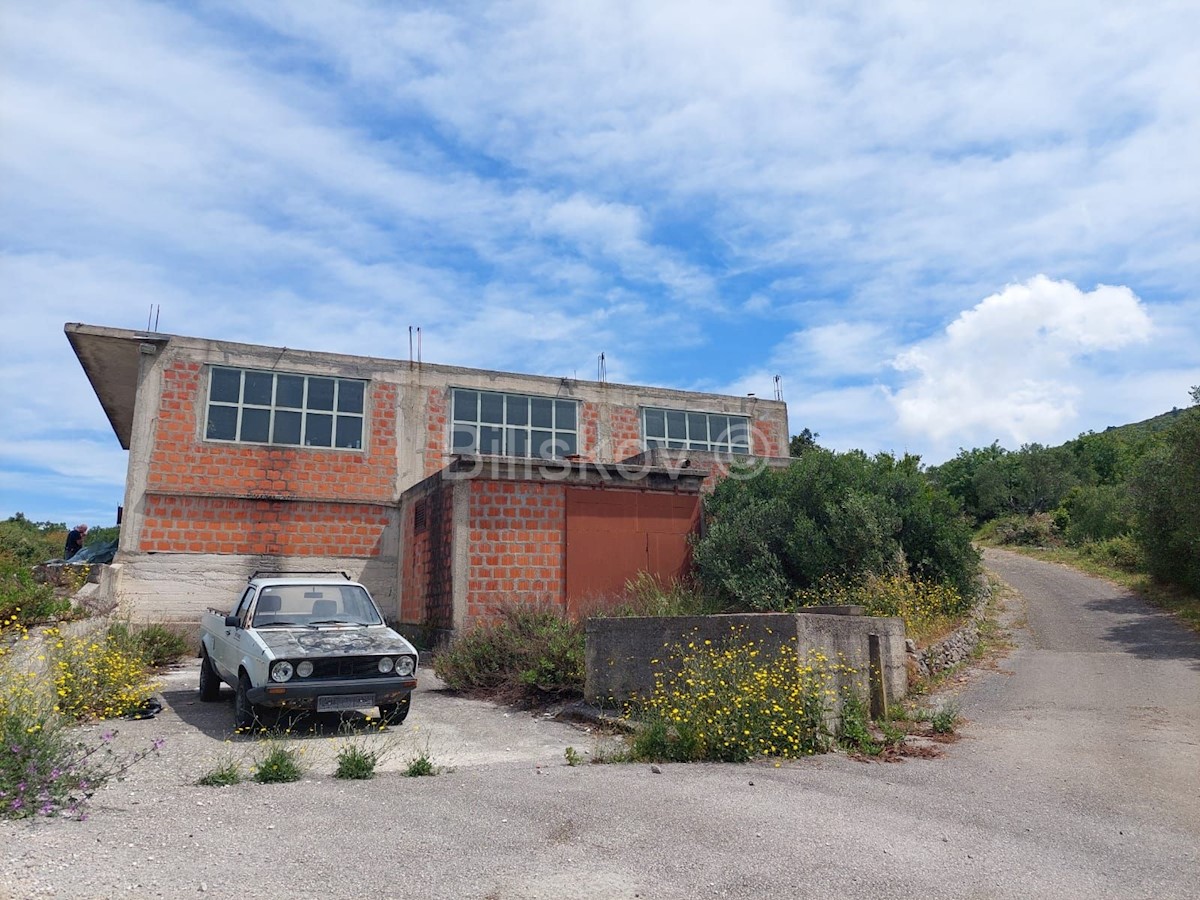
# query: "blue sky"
x,y
942,226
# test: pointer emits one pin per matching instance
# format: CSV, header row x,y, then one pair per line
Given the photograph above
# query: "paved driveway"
x,y
1078,776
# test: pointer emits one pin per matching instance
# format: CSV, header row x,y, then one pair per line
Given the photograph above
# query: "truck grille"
x,y
347,667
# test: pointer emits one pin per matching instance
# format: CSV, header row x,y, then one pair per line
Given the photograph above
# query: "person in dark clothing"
x,y
74,541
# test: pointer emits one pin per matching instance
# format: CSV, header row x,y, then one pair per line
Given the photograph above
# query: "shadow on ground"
x,y
215,720
1148,633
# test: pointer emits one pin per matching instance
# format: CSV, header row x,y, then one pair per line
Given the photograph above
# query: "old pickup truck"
x,y
307,642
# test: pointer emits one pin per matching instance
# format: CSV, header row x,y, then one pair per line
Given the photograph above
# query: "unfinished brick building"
x,y
448,491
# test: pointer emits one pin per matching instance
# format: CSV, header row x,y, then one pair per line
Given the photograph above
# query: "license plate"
x,y
337,702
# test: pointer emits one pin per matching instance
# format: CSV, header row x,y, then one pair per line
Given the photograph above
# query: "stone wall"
x,y
957,646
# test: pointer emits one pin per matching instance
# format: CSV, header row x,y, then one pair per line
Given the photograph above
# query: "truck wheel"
x,y
395,713
210,684
244,713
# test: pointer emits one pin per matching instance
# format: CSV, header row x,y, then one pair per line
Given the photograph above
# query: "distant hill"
x,y
1147,426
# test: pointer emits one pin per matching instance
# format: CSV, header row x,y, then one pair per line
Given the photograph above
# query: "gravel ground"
x,y
1077,776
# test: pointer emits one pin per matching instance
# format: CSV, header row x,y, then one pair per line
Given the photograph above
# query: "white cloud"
x,y
1014,366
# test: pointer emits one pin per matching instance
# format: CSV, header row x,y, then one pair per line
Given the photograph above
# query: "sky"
x,y
941,224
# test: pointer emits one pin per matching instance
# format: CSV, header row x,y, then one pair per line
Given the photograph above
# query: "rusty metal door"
x,y
612,535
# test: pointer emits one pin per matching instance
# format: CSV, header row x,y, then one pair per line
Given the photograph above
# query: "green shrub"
x,y
646,595
156,644
854,728
95,677
23,597
734,702
843,516
525,654
945,720
1037,530
571,755
278,764
1122,552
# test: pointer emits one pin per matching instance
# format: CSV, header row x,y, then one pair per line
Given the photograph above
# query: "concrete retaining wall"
x,y
624,653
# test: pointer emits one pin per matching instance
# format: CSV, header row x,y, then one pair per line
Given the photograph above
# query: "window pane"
x,y
349,432
738,432
256,425
226,385
287,428
490,437
567,444
318,429
466,406
463,439
518,410
289,391
718,429
541,412
697,427
656,423
222,423
350,396
320,395
675,445
491,408
651,443
564,415
258,388
676,424
518,442
543,445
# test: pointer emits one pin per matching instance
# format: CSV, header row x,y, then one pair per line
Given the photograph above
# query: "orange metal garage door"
x,y
614,534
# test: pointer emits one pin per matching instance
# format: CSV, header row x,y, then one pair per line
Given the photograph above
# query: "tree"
x,y
844,516
803,442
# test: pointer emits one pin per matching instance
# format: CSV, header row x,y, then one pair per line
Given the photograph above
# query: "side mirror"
x,y
233,621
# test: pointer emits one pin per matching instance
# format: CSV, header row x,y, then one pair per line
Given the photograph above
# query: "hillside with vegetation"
x,y
1127,497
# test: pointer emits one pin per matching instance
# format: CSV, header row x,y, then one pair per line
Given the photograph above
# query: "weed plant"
x,y
526,654
23,599
420,765
45,768
945,720
854,731
572,757
278,764
355,762
228,771
95,677
156,644
734,702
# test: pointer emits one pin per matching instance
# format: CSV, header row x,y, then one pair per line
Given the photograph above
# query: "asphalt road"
x,y
1078,776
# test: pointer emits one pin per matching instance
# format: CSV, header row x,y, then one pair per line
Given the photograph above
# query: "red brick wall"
x,y
210,497
626,425
427,577
769,438
518,532
180,524
181,462
437,432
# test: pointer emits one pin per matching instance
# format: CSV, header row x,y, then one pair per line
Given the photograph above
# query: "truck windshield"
x,y
314,604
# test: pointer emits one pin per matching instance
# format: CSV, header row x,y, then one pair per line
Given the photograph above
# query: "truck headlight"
x,y
282,671
385,664
405,665
305,668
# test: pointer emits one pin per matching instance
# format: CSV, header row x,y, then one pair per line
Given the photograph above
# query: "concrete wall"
x,y
623,654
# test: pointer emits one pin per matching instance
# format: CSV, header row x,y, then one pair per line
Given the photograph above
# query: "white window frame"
x,y
695,442
557,432
336,415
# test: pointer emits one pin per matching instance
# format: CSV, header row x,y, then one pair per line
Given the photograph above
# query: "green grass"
x,y
157,644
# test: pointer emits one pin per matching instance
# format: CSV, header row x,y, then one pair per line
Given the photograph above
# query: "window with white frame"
x,y
256,407
490,423
679,429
